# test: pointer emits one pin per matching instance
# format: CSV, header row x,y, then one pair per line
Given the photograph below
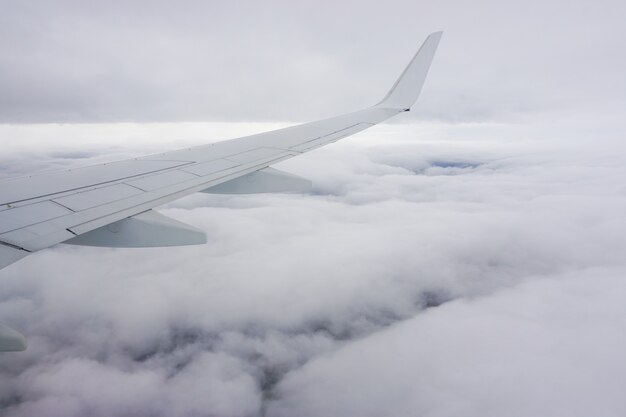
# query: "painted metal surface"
x,y
154,182
13,190
211,167
97,197
19,217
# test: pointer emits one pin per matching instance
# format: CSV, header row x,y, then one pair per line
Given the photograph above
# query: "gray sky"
x,y
467,259
77,61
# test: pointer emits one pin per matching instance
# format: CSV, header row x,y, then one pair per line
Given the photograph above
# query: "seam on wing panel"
x,y
14,246
59,204
327,135
96,185
195,188
135,187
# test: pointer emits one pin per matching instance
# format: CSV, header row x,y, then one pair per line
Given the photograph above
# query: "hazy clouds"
x,y
331,303
471,264
76,61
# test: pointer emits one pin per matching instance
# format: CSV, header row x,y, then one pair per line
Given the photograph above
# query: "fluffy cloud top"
x,y
475,270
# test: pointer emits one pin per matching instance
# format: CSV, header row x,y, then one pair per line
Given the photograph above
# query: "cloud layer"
x,y
473,271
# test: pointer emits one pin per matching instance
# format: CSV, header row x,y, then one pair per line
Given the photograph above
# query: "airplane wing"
x,y
111,204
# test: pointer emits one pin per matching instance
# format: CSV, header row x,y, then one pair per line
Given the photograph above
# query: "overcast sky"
x,y
86,61
466,259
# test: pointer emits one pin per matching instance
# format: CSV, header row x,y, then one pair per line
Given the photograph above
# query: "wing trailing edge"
x,y
10,254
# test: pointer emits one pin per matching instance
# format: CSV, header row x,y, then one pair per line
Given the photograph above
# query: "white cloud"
x,y
314,304
436,269
550,346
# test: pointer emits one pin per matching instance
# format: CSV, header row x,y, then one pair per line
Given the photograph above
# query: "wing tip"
x,y
408,86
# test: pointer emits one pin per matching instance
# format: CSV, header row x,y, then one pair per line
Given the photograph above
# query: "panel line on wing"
x,y
19,217
254,155
330,137
210,167
13,246
197,185
12,186
98,196
156,181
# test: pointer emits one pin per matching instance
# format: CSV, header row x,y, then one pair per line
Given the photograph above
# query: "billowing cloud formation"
x,y
475,271
547,347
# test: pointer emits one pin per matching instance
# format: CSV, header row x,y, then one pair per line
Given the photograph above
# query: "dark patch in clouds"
x,y
454,164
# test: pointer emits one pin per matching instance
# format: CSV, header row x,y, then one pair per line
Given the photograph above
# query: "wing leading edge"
x,y
94,204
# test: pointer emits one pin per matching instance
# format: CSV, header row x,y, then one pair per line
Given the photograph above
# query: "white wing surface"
x,y
111,204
